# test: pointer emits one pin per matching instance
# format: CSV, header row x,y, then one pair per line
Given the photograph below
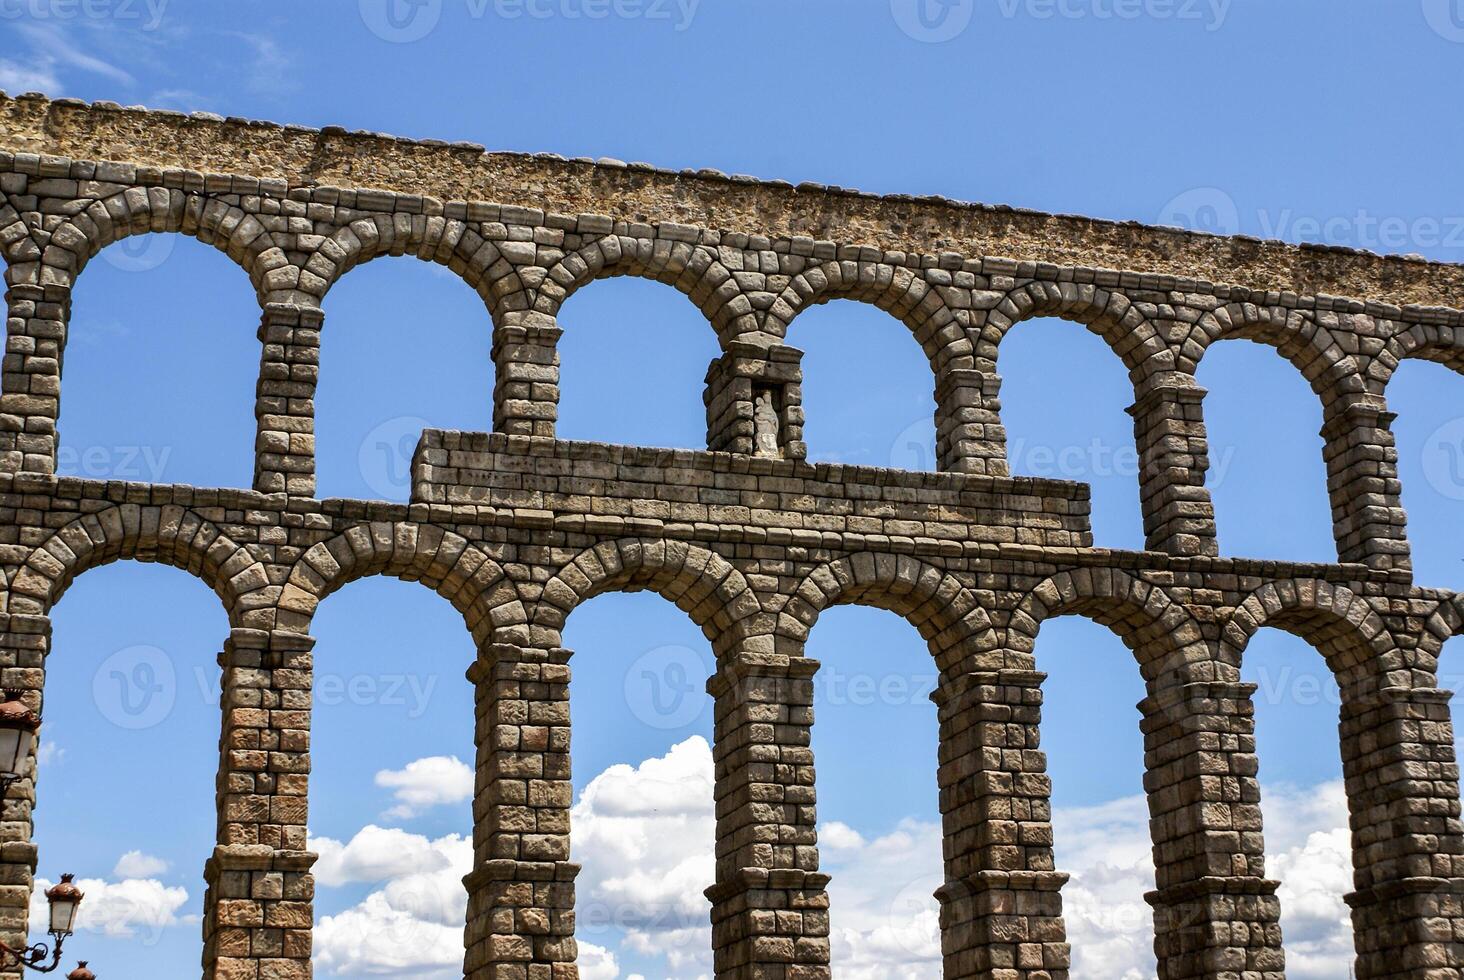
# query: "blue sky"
x,y
1282,120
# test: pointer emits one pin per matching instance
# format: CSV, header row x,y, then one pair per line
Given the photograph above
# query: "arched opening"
x,y
1100,816
643,823
1064,398
160,365
867,388
633,359
128,758
1429,432
406,345
1303,800
1268,476
875,742
1451,678
392,753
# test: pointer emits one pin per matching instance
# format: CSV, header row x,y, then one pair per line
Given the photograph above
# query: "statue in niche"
x,y
765,427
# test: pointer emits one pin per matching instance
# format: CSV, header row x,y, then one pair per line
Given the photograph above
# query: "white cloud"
x,y
435,781
135,864
135,908
37,75
413,924
646,838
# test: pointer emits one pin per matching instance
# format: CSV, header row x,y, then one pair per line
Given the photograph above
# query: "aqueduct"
x,y
516,528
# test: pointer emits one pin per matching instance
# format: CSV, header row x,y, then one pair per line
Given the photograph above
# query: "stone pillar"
x,y
1001,904
35,327
1216,916
770,918
526,374
969,436
1362,479
284,406
521,890
24,643
1407,844
258,908
1169,432
734,382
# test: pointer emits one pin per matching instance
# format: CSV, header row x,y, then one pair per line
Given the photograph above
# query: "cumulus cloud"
x,y
135,864
412,925
134,908
646,837
435,781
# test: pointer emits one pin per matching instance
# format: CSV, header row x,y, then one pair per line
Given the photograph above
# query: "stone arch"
x,y
904,294
1446,623
1107,313
503,285
1164,637
244,238
694,270
1297,335
1338,623
701,583
167,534
447,563
1424,341
945,612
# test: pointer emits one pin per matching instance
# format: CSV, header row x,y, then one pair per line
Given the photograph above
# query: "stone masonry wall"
x,y
516,528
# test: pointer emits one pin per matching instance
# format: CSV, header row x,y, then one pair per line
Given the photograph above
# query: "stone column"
x,y
526,374
1362,478
258,908
734,382
969,436
1001,904
35,326
521,890
1216,916
284,407
1169,432
1407,845
770,918
24,643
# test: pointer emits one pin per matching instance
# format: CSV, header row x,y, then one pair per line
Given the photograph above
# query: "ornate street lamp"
x,y
64,899
18,728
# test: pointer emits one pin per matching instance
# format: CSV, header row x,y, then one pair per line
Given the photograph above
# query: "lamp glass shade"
x,y
64,900
16,745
